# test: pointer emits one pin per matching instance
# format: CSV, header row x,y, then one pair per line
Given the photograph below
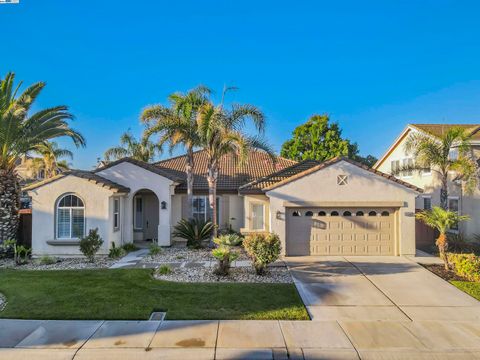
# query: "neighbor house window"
x,y
200,208
453,154
258,215
138,214
453,206
70,217
394,167
116,214
427,203
407,163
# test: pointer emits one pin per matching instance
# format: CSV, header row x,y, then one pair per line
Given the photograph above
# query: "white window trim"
x,y
135,225
427,197
207,206
252,203
57,236
116,228
454,231
403,164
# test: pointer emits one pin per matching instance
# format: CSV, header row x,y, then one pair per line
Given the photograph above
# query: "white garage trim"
x,y
389,204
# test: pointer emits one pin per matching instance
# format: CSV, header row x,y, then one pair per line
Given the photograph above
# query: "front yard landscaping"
x,y
133,294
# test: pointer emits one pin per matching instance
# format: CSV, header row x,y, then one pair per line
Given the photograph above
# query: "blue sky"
x,y
373,66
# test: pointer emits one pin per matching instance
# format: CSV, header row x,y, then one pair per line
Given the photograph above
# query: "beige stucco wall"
x,y
247,204
363,186
98,204
469,204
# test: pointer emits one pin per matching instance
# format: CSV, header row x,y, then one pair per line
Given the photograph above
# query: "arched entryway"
x,y
145,216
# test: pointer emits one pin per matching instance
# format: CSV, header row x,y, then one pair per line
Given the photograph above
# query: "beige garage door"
x,y
345,231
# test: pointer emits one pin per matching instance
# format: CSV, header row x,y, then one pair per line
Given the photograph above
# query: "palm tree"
x,y
435,154
20,133
143,149
177,125
50,158
441,220
222,132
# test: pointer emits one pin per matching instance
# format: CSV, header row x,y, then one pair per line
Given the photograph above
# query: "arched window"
x,y
385,213
70,217
296,213
309,213
322,213
359,213
372,213
334,213
347,213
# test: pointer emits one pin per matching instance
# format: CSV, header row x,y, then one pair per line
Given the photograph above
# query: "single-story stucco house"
x,y
337,207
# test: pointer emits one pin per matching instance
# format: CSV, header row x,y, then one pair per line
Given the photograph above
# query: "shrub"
x,y
154,249
164,270
116,252
225,255
263,249
90,244
129,247
21,254
194,231
458,243
465,265
47,260
7,249
228,240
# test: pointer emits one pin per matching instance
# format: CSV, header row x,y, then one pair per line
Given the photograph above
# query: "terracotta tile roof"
x,y
150,167
87,175
258,185
308,167
231,176
438,129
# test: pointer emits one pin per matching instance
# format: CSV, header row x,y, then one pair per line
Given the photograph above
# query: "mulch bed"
x,y
447,275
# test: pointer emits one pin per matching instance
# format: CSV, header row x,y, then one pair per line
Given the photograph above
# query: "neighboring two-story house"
x,y
466,204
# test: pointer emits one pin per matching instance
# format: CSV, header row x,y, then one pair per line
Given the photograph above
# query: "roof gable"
x,y
321,165
87,175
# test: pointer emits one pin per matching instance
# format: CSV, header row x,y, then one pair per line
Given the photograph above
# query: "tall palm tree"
x,y
222,132
50,158
21,132
435,154
441,220
143,149
177,125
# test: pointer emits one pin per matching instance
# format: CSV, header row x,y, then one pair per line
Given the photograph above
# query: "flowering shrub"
x,y
263,249
466,265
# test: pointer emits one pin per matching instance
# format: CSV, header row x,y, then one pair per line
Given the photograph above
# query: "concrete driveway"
x,y
377,288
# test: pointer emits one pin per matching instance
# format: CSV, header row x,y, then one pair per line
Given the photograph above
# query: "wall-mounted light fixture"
x,y
163,205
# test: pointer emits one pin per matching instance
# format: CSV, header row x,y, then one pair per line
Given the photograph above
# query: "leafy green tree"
x,y
436,154
142,149
222,132
441,220
22,131
319,139
177,125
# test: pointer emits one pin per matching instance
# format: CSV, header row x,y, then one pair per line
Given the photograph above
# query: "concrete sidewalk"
x,y
25,339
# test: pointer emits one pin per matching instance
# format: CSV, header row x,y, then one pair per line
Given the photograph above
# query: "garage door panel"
x,y
341,235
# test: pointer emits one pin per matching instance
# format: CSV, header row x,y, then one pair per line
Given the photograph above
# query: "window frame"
x,y
429,197
116,214
457,198
70,211
135,225
207,205
406,162
252,205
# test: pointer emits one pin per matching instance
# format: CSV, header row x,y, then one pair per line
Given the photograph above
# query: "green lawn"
x,y
134,294
471,288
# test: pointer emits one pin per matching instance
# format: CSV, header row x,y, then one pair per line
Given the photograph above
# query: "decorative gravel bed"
x,y
237,274
61,264
181,254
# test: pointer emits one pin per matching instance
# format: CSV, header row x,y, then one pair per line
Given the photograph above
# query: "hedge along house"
x,y
332,208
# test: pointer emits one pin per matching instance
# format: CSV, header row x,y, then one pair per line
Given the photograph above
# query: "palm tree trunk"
x,y
442,249
444,192
9,204
189,172
212,196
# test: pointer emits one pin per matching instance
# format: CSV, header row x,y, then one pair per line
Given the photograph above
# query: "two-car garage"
x,y
340,231
340,207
